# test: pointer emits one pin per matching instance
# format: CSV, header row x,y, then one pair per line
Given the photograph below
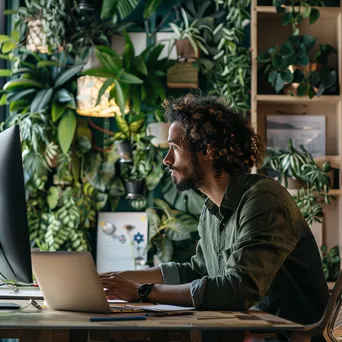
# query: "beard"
x,y
194,180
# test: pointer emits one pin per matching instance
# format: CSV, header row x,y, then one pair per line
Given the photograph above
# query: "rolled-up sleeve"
x,y
182,273
264,240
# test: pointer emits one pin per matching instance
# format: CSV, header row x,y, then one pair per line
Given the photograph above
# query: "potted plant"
x,y
45,21
159,130
135,174
189,41
187,37
312,181
297,11
172,233
290,65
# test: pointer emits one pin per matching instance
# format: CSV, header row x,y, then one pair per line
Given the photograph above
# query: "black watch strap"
x,y
143,292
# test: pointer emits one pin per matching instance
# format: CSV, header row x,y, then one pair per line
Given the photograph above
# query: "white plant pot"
x,y
160,131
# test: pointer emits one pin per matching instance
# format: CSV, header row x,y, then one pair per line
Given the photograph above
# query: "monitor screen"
x,y
15,254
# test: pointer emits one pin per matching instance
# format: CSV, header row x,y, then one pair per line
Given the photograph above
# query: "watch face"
x,y
144,290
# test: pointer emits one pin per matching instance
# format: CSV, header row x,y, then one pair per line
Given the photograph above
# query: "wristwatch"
x,y
143,292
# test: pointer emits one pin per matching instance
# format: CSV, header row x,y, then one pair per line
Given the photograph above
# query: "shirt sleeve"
x,y
264,240
182,273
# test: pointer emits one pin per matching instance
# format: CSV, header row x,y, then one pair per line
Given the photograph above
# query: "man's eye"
x,y
174,147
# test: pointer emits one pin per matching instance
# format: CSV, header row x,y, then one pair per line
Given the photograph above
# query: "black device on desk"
x,y
15,254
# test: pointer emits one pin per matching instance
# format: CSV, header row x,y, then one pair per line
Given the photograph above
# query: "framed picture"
x,y
122,241
307,130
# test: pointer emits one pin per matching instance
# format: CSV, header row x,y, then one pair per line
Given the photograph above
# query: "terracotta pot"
x,y
185,49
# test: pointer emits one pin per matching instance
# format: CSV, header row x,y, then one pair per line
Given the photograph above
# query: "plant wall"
x,y
71,170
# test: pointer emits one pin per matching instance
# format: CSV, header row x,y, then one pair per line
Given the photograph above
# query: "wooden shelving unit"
x,y
267,30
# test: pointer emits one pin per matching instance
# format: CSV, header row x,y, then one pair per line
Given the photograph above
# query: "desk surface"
x,y
31,318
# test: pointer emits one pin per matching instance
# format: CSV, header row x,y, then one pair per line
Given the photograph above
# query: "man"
x,y
256,249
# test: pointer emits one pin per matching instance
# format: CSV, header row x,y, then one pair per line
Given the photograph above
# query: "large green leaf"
x,y
44,64
53,197
314,15
103,88
122,125
302,90
41,100
125,77
4,38
19,95
25,83
3,100
5,73
67,75
8,46
64,96
108,8
129,53
66,131
328,76
99,72
119,96
151,7
57,110
112,65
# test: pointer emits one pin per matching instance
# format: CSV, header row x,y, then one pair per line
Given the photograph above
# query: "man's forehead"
x,y
175,132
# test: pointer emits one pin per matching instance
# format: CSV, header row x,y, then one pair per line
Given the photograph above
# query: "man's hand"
x,y
116,285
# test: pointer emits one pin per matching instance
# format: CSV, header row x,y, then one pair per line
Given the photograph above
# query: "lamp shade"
x,y
88,88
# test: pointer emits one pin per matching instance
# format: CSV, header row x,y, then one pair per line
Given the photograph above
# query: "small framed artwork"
x,y
307,130
122,241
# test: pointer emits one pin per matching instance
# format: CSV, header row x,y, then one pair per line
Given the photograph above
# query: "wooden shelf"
x,y
333,11
332,192
296,99
267,30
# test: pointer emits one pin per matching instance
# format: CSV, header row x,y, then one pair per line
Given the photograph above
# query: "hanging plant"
x,y
43,24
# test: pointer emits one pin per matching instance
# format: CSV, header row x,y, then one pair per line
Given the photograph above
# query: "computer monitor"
x,y
15,253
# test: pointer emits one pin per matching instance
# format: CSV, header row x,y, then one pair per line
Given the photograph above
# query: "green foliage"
x,y
118,9
136,79
331,262
169,227
295,53
232,79
226,66
302,166
146,165
297,11
43,23
192,31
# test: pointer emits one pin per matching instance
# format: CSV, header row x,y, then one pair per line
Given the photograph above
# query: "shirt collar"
x,y
232,195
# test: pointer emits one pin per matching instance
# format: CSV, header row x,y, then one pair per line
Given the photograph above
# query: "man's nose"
x,y
166,160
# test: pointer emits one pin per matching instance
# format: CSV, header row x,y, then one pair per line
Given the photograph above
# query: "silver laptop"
x,y
69,281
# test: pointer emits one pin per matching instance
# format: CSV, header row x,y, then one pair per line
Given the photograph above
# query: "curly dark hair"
x,y
209,121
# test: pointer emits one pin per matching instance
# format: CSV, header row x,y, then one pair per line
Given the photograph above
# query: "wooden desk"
x,y
40,326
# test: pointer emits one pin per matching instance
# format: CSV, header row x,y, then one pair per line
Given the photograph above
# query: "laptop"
x,y
69,281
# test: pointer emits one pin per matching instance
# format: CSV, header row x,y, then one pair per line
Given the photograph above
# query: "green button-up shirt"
x,y
256,250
